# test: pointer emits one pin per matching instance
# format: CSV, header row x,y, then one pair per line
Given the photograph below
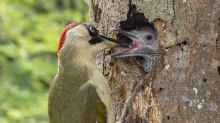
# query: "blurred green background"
x,y
29,31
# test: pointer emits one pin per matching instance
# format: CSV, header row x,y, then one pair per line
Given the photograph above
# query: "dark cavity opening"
x,y
135,21
218,69
204,80
161,89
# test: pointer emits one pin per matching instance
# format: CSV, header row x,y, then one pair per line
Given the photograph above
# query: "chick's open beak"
x,y
136,48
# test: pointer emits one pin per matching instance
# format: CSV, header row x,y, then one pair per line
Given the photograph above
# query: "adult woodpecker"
x,y
144,44
80,93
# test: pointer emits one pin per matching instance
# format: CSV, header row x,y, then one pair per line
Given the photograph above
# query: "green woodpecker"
x,y
79,92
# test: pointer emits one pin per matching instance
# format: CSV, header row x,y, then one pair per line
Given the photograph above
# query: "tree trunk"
x,y
184,85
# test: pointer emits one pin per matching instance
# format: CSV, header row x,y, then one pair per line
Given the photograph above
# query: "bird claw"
x,y
148,63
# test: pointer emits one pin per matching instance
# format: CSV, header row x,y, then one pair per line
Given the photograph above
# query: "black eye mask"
x,y
94,34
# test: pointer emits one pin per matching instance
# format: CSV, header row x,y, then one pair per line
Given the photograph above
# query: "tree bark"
x,y
184,85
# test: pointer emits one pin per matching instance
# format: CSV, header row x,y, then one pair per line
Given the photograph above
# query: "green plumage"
x,y
79,92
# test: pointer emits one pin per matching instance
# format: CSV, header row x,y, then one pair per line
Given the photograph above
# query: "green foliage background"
x,y
29,31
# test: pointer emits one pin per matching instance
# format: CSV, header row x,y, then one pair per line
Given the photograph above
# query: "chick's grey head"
x,y
146,38
143,42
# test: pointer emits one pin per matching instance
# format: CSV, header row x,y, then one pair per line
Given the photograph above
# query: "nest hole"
x,y
135,20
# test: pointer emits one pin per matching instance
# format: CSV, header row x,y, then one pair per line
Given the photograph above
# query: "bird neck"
x,y
78,66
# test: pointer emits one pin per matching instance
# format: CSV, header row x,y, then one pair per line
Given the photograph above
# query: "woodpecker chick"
x,y
144,44
80,93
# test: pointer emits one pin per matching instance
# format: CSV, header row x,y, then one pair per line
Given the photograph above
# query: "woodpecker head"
x,y
143,41
82,41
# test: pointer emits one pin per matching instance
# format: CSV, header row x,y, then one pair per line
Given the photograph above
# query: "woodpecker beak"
x,y
96,37
137,47
104,38
117,43
104,42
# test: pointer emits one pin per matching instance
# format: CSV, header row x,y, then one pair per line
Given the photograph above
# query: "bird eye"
x,y
149,37
93,31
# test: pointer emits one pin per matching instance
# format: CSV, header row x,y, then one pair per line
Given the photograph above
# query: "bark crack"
x,y
128,102
173,21
174,11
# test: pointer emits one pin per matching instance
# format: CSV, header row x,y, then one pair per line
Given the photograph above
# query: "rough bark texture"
x,y
184,87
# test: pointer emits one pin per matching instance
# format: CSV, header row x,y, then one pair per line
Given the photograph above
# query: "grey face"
x,y
143,38
144,44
